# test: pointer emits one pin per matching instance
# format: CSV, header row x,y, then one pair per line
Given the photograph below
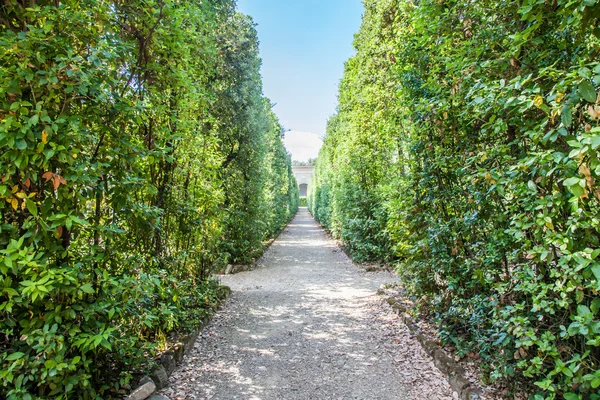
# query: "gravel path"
x,y
306,324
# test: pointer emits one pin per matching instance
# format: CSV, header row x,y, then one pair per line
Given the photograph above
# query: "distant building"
x,y
303,176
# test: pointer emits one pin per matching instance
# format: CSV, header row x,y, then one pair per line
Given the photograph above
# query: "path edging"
x,y
232,269
453,371
159,378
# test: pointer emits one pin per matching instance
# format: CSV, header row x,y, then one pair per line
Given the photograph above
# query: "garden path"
x,y
306,324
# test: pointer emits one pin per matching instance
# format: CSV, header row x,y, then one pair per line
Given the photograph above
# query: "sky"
x,y
303,45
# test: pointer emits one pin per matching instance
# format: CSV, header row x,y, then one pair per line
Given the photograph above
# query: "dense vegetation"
x,y
465,149
310,162
137,155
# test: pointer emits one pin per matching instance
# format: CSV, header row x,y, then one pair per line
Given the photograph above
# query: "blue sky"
x,y
304,45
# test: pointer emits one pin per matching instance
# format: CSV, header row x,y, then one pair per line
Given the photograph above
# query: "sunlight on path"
x,y
306,324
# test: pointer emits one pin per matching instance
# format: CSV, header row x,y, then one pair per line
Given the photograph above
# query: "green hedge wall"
x,y
137,154
465,149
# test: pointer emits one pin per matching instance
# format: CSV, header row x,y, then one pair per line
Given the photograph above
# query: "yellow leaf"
x,y
538,101
14,203
74,155
45,137
21,195
15,189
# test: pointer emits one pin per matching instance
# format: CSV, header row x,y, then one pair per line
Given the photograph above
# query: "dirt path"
x,y
306,324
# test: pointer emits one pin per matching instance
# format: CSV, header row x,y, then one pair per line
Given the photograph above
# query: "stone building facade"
x,y
303,176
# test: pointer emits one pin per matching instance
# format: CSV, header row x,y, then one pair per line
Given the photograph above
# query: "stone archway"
x,y
303,176
303,189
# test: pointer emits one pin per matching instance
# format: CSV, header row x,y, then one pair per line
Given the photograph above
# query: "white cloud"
x,y
302,145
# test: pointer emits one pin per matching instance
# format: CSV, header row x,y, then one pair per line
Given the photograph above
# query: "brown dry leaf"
x,y
47,176
522,352
594,111
585,171
27,183
57,180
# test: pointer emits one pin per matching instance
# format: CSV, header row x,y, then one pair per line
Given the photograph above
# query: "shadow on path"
x,y
306,324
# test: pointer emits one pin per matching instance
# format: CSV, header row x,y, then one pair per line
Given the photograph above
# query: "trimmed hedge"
x,y
137,155
465,149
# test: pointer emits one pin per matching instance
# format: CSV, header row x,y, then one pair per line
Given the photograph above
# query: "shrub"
x,y
470,131
116,149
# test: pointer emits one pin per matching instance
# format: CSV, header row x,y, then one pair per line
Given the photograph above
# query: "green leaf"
x,y
595,306
587,91
566,116
572,181
585,72
595,142
583,311
15,356
87,288
34,120
32,207
571,396
105,344
21,144
596,271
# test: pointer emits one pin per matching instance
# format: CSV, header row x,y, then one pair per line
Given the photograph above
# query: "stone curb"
x,y
159,378
453,371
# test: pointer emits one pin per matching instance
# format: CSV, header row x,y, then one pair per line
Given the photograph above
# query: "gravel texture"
x,y
306,324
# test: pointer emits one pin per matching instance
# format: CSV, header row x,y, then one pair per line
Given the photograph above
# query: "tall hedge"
x,y
137,155
465,149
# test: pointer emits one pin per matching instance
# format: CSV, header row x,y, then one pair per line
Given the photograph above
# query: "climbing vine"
x,y
465,150
128,175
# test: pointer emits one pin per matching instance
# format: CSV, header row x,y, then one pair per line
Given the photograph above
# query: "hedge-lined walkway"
x,y
306,324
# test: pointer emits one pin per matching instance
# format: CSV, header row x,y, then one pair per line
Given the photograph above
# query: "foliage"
x,y
120,194
310,162
465,147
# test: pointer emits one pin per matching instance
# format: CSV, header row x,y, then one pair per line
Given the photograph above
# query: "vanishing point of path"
x,y
306,324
